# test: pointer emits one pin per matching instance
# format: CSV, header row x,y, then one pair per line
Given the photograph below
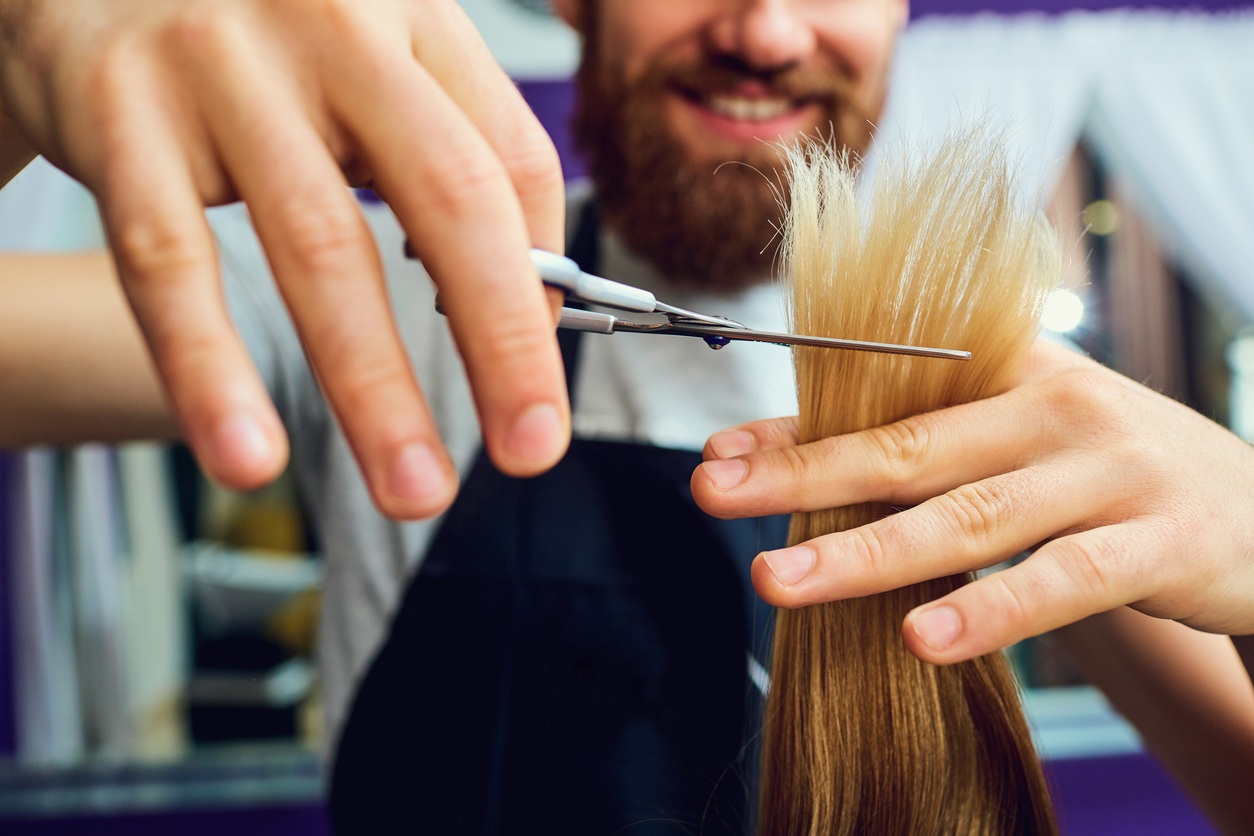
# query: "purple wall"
x,y
1124,795
924,8
554,104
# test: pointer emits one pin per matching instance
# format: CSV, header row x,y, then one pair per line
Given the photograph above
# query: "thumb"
x,y
1065,581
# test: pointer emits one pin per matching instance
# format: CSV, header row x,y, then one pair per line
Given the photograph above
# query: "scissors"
x,y
717,331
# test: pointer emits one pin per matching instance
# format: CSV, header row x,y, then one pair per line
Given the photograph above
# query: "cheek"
x,y
859,35
635,33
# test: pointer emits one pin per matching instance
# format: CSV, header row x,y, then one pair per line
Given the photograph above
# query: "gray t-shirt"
x,y
660,390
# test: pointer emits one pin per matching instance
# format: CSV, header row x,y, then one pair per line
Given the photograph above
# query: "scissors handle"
x,y
559,271
596,323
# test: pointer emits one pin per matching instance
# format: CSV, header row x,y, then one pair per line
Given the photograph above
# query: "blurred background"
x,y
157,633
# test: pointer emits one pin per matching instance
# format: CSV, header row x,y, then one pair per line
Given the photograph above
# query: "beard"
x,y
704,224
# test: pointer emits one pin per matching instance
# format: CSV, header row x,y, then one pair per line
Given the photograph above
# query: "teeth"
x,y
749,110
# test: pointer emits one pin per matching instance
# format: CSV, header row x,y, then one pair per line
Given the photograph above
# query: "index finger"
x,y
464,67
168,267
455,200
759,468
903,463
1043,359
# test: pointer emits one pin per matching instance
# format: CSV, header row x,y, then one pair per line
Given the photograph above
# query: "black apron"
x,y
571,658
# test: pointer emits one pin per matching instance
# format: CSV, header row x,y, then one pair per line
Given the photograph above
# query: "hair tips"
x,y
861,737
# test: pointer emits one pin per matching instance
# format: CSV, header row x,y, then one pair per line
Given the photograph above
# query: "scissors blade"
x,y
852,345
707,331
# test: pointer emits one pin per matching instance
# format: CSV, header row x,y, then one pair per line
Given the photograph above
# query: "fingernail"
x,y
417,476
731,443
240,442
937,627
537,435
790,565
725,473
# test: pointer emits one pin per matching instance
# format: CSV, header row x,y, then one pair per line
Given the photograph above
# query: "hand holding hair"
x,y
1130,497
859,736
164,108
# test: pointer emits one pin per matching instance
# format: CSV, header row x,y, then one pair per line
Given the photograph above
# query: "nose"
x,y
765,34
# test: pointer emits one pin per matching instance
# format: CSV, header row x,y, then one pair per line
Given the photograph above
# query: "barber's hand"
x,y
1135,499
162,107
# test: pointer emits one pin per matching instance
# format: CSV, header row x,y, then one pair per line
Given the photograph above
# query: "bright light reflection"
x,y
1241,397
1063,311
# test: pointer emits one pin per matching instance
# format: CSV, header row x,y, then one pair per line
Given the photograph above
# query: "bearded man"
x,y
581,652
578,653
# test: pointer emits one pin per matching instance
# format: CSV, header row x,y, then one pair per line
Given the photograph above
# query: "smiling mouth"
x,y
747,108
750,110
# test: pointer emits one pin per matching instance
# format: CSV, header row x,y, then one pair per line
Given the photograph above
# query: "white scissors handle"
x,y
559,271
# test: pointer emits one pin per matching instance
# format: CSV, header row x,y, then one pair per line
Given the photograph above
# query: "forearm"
x,y
73,366
1188,695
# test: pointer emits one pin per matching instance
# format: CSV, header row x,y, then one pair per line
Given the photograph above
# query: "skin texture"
x,y
684,178
1140,507
70,349
136,99
1135,500
851,39
164,108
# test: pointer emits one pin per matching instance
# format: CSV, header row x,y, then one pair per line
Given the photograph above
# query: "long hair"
x,y
861,737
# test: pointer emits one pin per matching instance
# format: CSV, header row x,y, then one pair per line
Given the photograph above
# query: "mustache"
x,y
725,73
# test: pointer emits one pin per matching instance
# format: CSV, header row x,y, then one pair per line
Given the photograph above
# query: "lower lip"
x,y
745,130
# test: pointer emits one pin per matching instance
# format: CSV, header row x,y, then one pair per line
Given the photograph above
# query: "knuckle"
x,y
320,230
152,250
190,358
795,464
41,38
533,164
465,182
785,432
799,475
347,22
201,27
901,446
1090,403
185,355
870,550
1087,568
108,71
1015,606
977,511
380,381
512,347
338,13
